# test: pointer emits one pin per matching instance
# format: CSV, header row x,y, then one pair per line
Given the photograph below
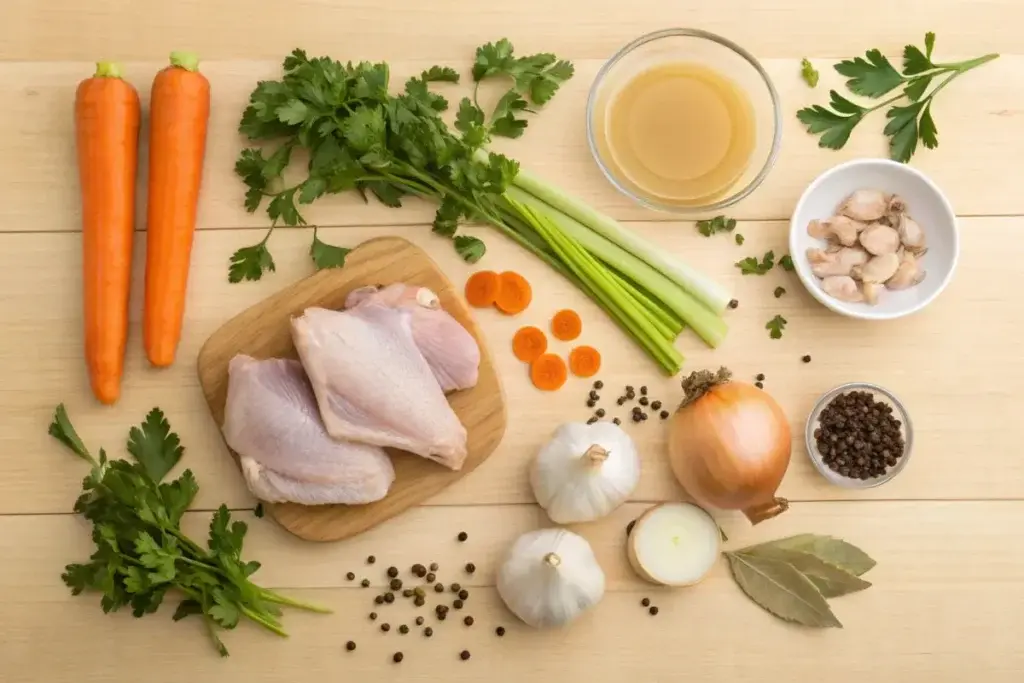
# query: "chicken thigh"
x,y
271,420
372,383
450,350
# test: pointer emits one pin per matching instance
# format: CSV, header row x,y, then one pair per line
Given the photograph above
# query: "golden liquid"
x,y
680,133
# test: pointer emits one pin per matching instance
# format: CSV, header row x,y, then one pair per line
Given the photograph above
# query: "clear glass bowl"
x,y
708,50
880,394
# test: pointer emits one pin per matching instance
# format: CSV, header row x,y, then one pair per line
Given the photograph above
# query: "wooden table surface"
x,y
946,533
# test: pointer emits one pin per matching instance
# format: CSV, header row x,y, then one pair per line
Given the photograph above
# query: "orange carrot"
x,y
179,110
548,372
566,325
529,344
482,288
585,361
107,142
514,294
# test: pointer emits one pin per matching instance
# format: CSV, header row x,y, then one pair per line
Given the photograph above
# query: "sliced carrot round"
x,y
529,344
566,325
482,288
514,293
585,361
548,372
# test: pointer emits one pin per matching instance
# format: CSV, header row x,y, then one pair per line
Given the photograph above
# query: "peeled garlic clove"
x,y
585,471
866,205
550,577
880,239
908,274
879,269
842,287
871,290
896,209
911,234
840,262
674,544
839,229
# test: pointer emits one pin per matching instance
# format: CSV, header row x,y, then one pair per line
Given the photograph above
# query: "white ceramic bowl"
x,y
925,203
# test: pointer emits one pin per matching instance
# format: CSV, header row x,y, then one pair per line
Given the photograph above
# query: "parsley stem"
x,y
276,598
263,621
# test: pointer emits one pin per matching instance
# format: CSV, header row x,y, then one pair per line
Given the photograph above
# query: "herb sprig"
x,y
715,225
141,552
775,326
809,73
751,266
873,76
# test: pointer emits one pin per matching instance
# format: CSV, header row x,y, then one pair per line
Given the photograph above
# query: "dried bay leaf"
x,y
834,551
830,580
781,590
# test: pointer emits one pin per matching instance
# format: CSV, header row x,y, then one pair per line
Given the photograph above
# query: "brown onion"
x,y
729,445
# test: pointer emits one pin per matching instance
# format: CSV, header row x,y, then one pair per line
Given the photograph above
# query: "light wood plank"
x,y
963,448
980,120
65,29
947,573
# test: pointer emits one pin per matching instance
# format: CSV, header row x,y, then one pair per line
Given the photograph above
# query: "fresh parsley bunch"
x,y
874,76
360,137
142,553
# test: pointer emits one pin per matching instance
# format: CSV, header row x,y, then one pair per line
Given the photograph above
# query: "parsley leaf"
x,y
717,224
249,263
446,219
155,446
808,73
740,239
326,255
504,121
469,248
871,77
751,266
836,124
786,263
775,326
440,73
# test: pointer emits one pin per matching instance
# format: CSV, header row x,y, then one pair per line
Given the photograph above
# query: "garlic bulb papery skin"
x,y
550,577
585,471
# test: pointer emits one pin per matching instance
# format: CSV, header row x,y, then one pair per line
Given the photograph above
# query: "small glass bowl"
x,y
880,394
712,51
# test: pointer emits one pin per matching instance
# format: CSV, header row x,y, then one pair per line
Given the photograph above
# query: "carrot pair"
x,y
509,292
548,371
107,120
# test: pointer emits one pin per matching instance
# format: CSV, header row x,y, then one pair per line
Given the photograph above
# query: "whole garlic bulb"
x,y
585,471
550,577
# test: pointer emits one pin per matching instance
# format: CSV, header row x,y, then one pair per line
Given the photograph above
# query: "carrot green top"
x,y
108,70
185,60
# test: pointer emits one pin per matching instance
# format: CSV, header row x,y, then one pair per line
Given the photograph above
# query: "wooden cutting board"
x,y
263,331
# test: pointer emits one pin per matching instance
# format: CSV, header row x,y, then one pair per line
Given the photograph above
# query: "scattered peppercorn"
x,y
760,377
428,632
653,610
859,437
656,405
419,621
350,645
621,400
600,412
398,657
464,654
463,536
385,627
591,403
594,396
456,588
389,598
396,584
643,390
470,567
403,629
500,631
734,303
457,604
806,359
419,570
617,421
365,583
373,616
431,577
629,388
643,400
371,559
599,384
664,415
646,602
407,593
434,566
759,385
441,616
439,588
392,572
350,576
464,594
636,417
643,416
468,621
630,395
419,601
779,291
440,608
379,599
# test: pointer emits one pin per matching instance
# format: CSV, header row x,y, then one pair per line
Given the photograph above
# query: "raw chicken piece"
x,y
450,350
373,385
271,420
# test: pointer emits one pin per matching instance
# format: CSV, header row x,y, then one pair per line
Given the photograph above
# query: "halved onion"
x,y
674,544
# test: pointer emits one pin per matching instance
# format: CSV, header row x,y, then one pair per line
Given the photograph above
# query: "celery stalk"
x,y
588,269
668,324
705,290
706,324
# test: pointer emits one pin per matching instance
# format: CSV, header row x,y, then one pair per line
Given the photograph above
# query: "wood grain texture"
x,y
264,331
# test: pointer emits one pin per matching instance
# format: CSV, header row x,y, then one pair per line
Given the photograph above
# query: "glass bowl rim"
x,y
625,50
819,463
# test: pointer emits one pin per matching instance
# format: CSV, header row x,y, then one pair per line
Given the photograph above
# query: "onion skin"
x,y
730,448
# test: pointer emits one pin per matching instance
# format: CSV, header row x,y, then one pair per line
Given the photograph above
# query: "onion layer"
x,y
729,445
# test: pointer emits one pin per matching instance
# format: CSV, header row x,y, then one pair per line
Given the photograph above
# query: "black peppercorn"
x,y
403,629
599,384
617,421
636,417
385,627
591,403
431,577
594,396
759,385
500,631
350,645
621,400
656,405
389,598
468,621
653,610
455,588
379,599
392,572
600,412
806,359
643,416
629,388
643,400
365,583
397,657
457,604
664,415
407,593
373,616
441,616
470,568
371,559
463,594
396,584
419,601
350,576
646,602
439,588
419,621
463,536
630,395
434,566
464,655
779,291
734,303
419,570
428,632
760,377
